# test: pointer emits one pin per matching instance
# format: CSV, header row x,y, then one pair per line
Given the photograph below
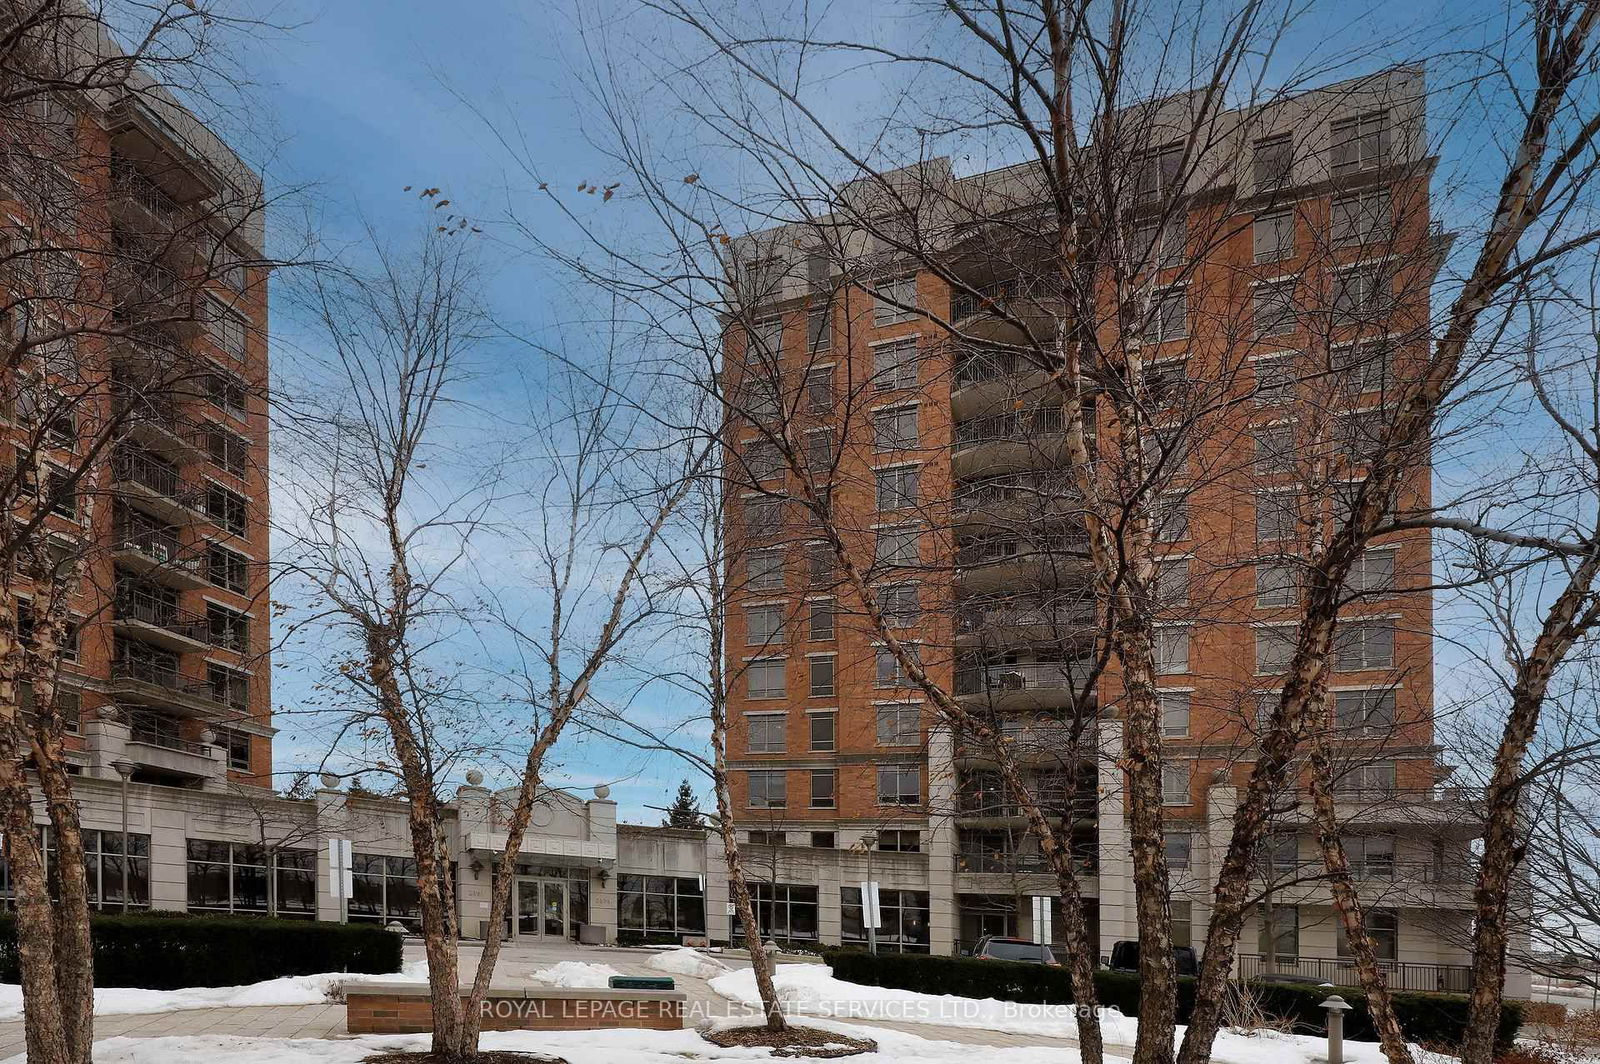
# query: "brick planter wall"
x,y
402,1008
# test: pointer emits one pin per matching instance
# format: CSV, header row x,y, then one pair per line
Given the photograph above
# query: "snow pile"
x,y
576,974
685,961
288,990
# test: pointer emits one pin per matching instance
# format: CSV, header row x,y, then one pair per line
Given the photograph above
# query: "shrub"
x,y
163,953
1432,1019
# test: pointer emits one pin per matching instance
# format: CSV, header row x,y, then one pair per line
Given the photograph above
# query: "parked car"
x,y
1125,958
1290,977
1001,948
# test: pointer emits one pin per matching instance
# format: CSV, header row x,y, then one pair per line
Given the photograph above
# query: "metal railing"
x,y
1054,675
152,729
128,182
1065,611
1341,971
1011,426
136,468
146,607
990,550
978,366
980,493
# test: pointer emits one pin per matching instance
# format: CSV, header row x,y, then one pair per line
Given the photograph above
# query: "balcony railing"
x,y
1341,971
128,182
986,492
152,729
1030,676
990,862
1375,870
994,549
155,610
160,673
978,618
1012,426
975,366
159,477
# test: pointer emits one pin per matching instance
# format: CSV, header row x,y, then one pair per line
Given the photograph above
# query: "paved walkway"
x,y
326,1020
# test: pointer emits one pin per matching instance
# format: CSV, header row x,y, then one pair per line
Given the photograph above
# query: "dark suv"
x,y
1000,948
1125,958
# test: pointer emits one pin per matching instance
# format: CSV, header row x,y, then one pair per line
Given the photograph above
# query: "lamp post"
x,y
869,914
1337,1007
124,769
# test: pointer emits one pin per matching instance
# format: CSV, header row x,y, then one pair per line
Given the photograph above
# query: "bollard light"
x,y
1337,1007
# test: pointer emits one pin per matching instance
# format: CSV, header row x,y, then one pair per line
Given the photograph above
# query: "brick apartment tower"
x,y
159,227
934,446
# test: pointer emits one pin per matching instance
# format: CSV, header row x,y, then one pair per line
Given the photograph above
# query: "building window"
x,y
900,724
1363,367
1364,644
1372,571
819,390
784,911
888,671
1272,308
385,890
1370,856
895,428
227,569
1171,649
764,569
1374,781
1273,236
1360,143
824,732
228,394
232,877
767,838
823,840
820,624
819,450
1174,714
1275,379
668,904
1169,514
822,679
900,605
762,460
765,678
1278,937
1175,784
1156,174
902,920
897,487
898,546
894,301
1182,922
1364,712
1362,295
1162,246
1363,218
895,366
227,331
822,789
227,509
1277,584
227,450
228,686
1383,927
819,331
900,840
227,629
238,746
1274,449
1277,517
763,624
1274,650
1273,162
819,564
899,785
768,789
767,731
1179,847
1169,316
1172,582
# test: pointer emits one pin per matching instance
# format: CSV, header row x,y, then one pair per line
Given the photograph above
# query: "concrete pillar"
x,y
332,823
719,922
474,874
601,816
105,739
1222,799
1117,919
940,845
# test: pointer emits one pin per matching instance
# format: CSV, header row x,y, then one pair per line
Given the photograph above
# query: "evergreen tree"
x,y
685,809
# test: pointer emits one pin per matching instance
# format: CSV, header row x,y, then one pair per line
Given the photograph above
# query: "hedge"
x,y
157,952
1431,1019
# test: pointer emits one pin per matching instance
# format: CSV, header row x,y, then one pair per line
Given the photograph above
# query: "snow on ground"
x,y
810,990
289,990
576,974
682,960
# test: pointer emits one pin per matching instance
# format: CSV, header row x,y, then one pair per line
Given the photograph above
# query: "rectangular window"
x,y
1279,934
664,904
238,747
1374,781
763,624
228,686
1363,218
1364,367
227,330
1174,714
895,428
1273,162
1169,316
231,877
1175,784
767,838
1172,649
819,564
1277,517
1156,174
1161,245
899,784
822,791
823,840
228,509
228,451
1273,236
822,681
898,546
1360,434
1274,447
888,672
1370,856
1362,295
1179,847
228,394
1364,712
1275,379
819,390
228,629
1278,583
784,912
1272,308
762,460
1372,571
900,840
819,330
900,605
1274,650
900,725
897,488
894,365
903,920
1182,922
766,342
766,678
227,569
1364,644
764,569
1383,927
1172,582
819,624
894,301
824,730
819,450
768,789
1170,516
1360,143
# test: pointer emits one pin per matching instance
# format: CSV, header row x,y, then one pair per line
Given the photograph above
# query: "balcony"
x,y
155,745
1014,496
155,487
158,557
155,620
1023,618
1002,561
155,682
1436,807
1022,686
139,203
146,140
1010,440
1032,741
153,422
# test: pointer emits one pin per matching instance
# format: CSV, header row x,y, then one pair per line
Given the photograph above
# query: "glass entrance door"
x,y
527,907
554,909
